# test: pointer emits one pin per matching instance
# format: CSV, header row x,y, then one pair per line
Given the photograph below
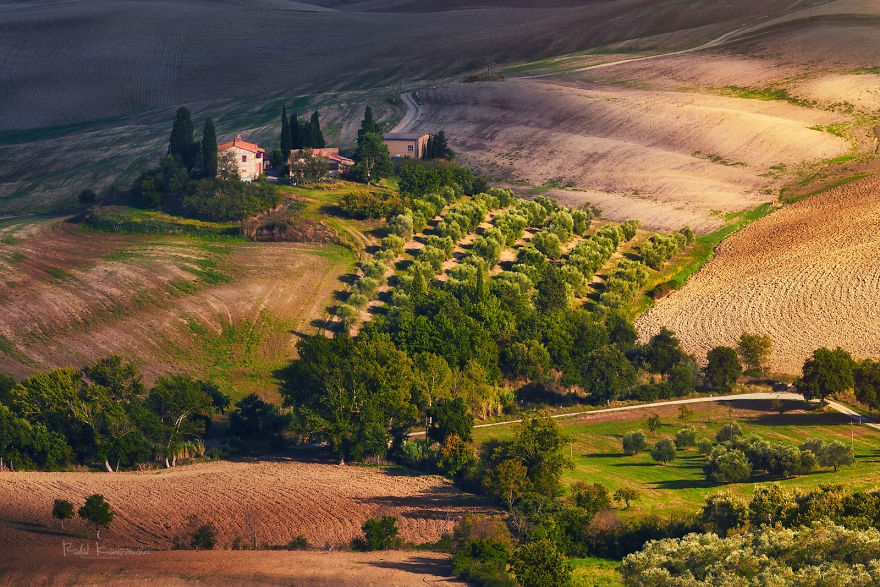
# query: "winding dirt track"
x,y
807,275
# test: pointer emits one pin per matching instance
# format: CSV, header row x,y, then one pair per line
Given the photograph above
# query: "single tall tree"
x,y
314,135
96,511
181,142
209,149
62,510
297,132
825,373
286,136
372,160
367,125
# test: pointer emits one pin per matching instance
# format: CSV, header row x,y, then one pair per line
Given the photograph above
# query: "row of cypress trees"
x,y
300,135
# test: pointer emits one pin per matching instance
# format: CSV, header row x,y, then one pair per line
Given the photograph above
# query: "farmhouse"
x,y
336,163
406,145
251,159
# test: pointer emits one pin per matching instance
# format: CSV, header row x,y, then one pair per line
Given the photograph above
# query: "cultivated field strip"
x,y
806,275
271,502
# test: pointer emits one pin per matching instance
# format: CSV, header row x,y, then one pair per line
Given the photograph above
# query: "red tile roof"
x,y
241,145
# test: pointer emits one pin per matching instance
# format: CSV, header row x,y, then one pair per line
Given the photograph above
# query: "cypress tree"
x,y
286,136
297,133
430,148
209,149
367,125
317,138
181,142
441,149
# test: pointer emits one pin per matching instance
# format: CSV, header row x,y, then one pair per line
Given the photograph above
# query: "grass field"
x,y
680,487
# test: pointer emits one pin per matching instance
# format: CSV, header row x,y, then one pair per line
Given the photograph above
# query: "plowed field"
x,y
807,275
268,502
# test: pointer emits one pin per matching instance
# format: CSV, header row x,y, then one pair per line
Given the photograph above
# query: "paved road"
x,y
413,113
696,400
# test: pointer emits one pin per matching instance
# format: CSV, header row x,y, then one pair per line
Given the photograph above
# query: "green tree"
x,y
257,419
62,510
286,140
184,406
538,444
591,497
727,432
727,466
627,494
634,442
209,149
654,423
825,373
308,168
297,132
372,160
663,451
181,143
722,370
450,417
723,512
380,533
541,564
662,352
770,505
686,438
455,455
553,291
685,413
866,383
314,138
508,481
368,125
833,454
754,350
97,511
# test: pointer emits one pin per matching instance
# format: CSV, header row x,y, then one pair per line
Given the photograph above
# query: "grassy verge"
x,y
594,572
121,219
681,267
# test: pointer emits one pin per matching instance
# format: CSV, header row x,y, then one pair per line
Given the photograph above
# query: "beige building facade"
x,y
251,159
406,146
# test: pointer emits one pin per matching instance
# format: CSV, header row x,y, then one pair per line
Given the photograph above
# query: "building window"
x,y
244,158
410,148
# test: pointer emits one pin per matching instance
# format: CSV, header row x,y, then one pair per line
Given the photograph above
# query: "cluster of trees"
x,y
95,510
297,135
659,248
828,372
438,148
372,161
103,415
822,536
366,204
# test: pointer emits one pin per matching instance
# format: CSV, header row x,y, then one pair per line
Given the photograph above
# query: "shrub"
x,y
727,432
379,533
591,497
204,537
727,466
633,442
541,564
723,512
704,446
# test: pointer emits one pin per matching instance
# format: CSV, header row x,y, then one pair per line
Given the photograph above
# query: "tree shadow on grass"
x,y
684,484
440,568
35,528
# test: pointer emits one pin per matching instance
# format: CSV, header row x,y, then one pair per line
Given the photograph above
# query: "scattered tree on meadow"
x,y
634,442
654,422
727,466
209,149
685,413
181,143
825,373
663,451
97,511
62,510
627,494
686,438
591,497
754,350
722,370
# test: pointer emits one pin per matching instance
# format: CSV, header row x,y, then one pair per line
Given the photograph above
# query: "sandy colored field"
x,y
270,501
668,158
71,297
807,275
43,565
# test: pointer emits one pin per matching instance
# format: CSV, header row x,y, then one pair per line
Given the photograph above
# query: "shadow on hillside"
x,y
439,503
421,565
35,528
684,484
